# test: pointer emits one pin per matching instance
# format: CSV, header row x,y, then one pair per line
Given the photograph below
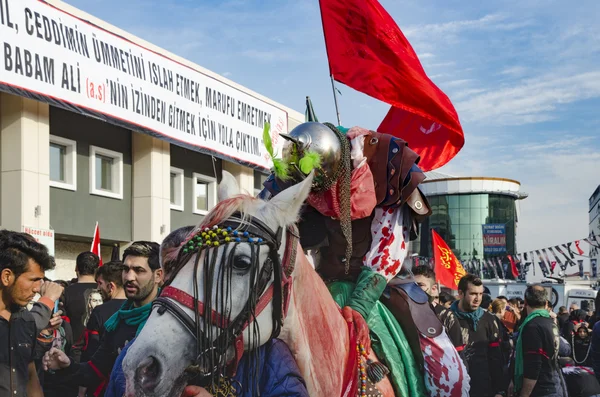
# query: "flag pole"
x,y
337,109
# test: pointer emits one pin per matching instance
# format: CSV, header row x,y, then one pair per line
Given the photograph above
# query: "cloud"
x,y
530,101
425,55
456,83
514,71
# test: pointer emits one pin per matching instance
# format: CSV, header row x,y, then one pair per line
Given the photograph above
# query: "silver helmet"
x,y
319,138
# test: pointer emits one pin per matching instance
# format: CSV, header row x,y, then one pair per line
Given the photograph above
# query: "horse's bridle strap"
x,y
187,300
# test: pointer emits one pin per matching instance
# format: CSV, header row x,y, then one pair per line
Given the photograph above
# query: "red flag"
x,y
96,243
513,267
578,248
448,270
368,52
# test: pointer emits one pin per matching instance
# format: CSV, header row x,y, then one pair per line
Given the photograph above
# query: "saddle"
x,y
410,306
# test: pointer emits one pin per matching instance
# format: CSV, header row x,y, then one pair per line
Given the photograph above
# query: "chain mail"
x,y
343,175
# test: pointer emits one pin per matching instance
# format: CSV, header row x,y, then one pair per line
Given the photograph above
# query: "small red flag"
x,y
448,269
579,250
96,243
513,267
368,52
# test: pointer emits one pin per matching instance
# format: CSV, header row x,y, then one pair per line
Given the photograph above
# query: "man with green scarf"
x,y
142,276
536,354
481,338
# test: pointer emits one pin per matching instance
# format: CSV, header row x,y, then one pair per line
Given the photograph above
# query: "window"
x,y
106,173
205,193
259,179
63,163
176,189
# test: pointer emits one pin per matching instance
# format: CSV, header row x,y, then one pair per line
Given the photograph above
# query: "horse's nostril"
x,y
148,373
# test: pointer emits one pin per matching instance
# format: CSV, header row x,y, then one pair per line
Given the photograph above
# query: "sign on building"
x,y
42,236
53,56
494,238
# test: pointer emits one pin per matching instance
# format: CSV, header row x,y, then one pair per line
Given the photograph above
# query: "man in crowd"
x,y
85,268
512,314
23,262
563,317
110,283
142,276
481,338
425,278
536,353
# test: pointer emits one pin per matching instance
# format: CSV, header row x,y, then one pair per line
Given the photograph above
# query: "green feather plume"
x,y
309,162
280,167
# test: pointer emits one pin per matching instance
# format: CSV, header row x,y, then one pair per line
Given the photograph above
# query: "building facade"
x,y
97,125
476,216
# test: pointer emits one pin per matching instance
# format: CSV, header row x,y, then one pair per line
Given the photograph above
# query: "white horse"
x,y
158,362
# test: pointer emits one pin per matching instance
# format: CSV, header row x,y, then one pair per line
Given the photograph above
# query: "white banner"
x,y
42,236
58,57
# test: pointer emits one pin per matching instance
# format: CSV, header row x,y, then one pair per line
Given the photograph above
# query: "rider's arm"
x,y
369,287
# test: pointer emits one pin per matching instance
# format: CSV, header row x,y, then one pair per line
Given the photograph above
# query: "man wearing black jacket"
x,y
110,283
481,338
142,276
425,278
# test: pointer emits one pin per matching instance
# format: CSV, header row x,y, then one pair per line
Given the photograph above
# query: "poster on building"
x,y
42,236
50,55
494,238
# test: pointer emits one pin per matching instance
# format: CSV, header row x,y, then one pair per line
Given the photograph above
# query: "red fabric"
x,y
96,243
433,142
579,250
362,196
513,267
350,385
448,270
495,344
368,52
100,376
539,351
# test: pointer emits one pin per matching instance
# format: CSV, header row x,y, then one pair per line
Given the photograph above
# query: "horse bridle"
x,y
235,230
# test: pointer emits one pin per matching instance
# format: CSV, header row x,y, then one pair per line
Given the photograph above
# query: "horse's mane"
x,y
223,210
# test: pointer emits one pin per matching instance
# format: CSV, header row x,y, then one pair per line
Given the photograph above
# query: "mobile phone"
x,y
56,306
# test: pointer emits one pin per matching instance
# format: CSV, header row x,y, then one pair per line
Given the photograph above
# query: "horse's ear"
x,y
288,203
228,187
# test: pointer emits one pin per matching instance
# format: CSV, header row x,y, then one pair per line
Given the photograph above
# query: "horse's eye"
x,y
241,262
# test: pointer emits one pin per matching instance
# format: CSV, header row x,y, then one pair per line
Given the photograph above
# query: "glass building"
x,y
476,216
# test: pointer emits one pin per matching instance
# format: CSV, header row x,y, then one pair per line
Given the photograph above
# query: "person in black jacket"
x,y
424,276
110,284
142,276
481,338
537,372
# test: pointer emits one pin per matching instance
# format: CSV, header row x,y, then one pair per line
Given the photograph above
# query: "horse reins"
x,y
235,230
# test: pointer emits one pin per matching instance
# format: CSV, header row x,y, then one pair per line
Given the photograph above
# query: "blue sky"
x,y
523,75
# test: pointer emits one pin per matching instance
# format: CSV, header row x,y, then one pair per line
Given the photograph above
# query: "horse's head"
x,y
227,294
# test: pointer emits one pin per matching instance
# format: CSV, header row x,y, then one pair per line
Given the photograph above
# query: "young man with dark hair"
x,y
85,268
142,276
425,278
536,354
481,338
110,283
23,262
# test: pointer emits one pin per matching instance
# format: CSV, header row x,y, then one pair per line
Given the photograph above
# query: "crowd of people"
x,y
69,338
65,338
519,346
